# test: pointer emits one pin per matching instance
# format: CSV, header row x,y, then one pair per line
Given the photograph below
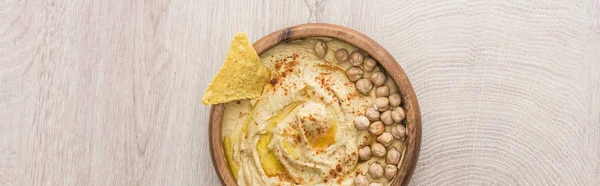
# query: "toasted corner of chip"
x,y
242,75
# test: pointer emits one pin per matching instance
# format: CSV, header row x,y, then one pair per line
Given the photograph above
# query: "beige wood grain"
x,y
107,92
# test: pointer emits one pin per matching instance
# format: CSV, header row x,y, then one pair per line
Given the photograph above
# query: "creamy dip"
x,y
300,131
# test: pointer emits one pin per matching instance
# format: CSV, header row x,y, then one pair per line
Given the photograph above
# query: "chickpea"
x,y
378,150
320,49
393,156
364,153
341,55
356,58
386,117
361,180
382,91
361,122
372,114
398,114
378,78
376,170
354,73
385,139
382,103
395,100
364,86
369,64
376,128
399,132
390,171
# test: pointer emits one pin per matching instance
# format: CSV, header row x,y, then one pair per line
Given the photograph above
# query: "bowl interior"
x,y
376,51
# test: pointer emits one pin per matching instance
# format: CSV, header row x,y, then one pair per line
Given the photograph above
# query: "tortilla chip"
x,y
242,75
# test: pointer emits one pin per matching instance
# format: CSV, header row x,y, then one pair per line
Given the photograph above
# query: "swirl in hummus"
x,y
300,131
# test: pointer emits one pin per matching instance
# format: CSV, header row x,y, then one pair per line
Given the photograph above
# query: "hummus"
x,y
300,131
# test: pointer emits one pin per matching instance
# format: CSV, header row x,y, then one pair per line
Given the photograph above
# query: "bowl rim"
x,y
361,41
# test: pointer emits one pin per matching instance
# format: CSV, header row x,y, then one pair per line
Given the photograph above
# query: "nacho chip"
x,y
242,75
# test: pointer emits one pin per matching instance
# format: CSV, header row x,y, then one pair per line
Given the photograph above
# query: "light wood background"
x,y
108,92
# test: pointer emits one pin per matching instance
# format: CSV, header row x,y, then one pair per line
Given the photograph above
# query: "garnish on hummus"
x,y
328,115
242,75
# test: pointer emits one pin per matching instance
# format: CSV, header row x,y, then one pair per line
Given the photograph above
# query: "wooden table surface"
x,y
108,92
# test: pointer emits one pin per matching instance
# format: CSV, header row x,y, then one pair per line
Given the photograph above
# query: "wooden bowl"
x,y
376,51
